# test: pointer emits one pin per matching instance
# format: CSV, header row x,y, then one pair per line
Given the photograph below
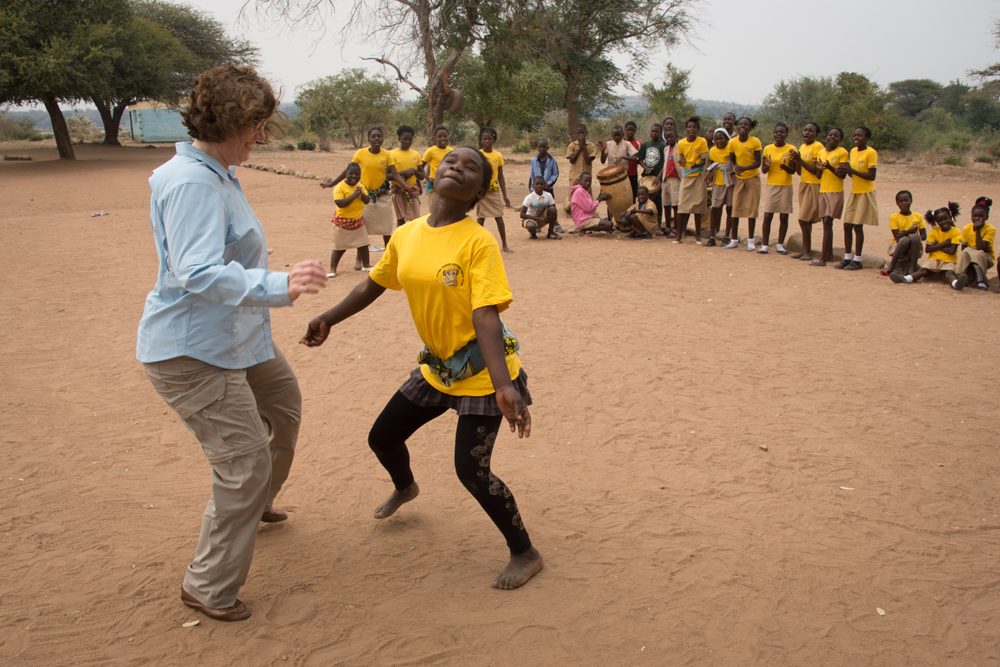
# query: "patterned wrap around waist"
x,y
347,223
467,361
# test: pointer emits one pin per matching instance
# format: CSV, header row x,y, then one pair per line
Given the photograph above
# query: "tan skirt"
x,y
862,209
406,207
490,206
722,195
378,217
746,197
692,195
345,239
809,202
831,205
779,199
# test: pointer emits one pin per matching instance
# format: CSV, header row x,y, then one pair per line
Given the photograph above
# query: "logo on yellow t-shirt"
x,y
451,275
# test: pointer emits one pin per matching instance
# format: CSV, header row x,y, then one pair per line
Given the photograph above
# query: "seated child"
x,y
583,208
942,248
978,249
538,210
640,218
909,231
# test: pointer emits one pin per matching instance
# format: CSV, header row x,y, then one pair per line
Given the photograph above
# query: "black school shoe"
x,y
853,266
844,263
710,242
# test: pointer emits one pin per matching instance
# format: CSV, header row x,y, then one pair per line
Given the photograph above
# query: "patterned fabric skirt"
x,y
419,391
346,236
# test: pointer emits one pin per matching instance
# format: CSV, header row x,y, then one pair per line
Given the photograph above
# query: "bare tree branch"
x,y
399,74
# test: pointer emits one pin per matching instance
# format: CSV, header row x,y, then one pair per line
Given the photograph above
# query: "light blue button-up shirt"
x,y
213,289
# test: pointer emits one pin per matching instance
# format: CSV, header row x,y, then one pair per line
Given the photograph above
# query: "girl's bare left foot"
x,y
506,249
396,500
519,570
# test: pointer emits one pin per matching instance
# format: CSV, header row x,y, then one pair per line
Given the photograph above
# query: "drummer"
x,y
617,151
640,218
650,156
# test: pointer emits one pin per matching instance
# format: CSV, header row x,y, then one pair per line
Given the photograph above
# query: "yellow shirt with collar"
x,y
809,154
779,155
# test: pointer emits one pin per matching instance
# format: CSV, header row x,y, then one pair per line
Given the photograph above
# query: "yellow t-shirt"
x,y
356,209
863,161
496,161
433,157
830,182
779,155
989,235
408,159
446,273
936,235
899,222
809,154
693,152
373,167
720,155
744,152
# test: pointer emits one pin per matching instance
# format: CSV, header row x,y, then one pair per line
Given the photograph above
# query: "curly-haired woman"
x,y
205,334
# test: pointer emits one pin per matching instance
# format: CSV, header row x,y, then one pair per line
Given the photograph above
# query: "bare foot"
x,y
506,249
396,500
521,567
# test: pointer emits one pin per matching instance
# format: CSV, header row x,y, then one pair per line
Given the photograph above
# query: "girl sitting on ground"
x,y
909,231
943,242
978,249
583,208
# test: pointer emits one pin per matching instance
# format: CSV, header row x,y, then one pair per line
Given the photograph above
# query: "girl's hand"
x,y
316,333
306,277
514,411
766,162
506,202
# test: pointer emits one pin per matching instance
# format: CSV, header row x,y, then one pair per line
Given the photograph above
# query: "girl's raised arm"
x,y
356,300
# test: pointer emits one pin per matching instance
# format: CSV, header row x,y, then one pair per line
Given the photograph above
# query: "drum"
x,y
651,183
614,181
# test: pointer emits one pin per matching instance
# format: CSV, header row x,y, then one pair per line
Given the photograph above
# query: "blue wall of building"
x,y
157,125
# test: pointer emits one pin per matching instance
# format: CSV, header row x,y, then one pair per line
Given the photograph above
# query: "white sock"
x,y
954,283
781,246
908,278
848,256
857,258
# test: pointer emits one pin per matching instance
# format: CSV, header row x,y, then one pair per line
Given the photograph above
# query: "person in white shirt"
x,y
538,210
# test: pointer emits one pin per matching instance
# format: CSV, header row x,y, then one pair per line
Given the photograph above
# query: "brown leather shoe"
x,y
237,612
274,516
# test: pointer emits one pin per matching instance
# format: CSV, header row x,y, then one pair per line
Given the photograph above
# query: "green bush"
x,y
14,129
984,159
953,160
306,145
287,147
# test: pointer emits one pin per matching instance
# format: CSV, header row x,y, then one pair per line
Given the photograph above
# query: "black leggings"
x,y
474,440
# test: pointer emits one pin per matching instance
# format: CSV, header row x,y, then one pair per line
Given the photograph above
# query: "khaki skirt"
x,y
862,209
779,199
809,202
490,206
378,217
406,207
722,195
692,195
831,205
345,239
670,192
746,197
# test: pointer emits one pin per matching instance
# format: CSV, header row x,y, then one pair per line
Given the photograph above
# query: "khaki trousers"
x,y
247,422
970,256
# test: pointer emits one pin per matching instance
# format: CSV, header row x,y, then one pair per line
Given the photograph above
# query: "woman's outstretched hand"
x,y
514,411
306,277
316,333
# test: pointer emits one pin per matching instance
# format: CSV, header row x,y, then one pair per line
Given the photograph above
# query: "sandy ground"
x,y
660,373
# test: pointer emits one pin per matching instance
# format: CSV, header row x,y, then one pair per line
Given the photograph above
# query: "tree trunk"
x,y
108,120
572,111
59,129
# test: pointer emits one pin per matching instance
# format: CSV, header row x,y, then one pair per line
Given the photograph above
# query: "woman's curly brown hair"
x,y
226,99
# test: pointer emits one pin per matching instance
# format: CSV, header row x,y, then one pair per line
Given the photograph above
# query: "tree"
x,y
912,96
991,71
578,39
54,51
346,105
161,50
518,98
671,97
798,101
429,34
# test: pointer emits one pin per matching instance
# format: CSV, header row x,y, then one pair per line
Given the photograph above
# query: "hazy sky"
x,y
733,54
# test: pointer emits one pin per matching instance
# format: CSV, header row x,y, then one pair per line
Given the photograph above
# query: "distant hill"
x,y
40,117
714,108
